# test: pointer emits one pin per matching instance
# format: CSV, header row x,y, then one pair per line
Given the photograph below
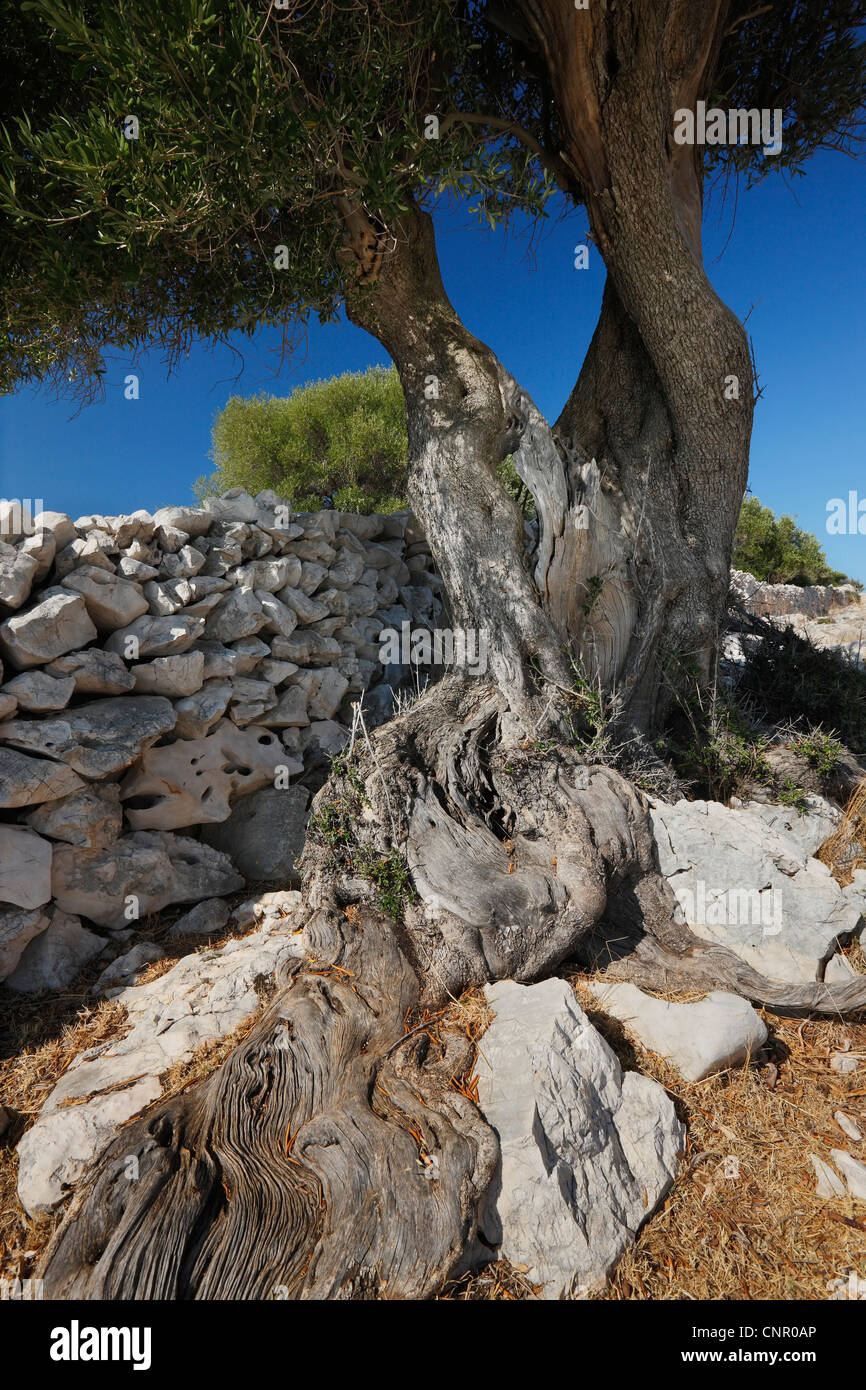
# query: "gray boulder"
x,y
56,956
58,623
148,869
719,1031
264,834
588,1151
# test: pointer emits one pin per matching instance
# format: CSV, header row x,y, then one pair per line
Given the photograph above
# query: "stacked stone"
x,y
168,678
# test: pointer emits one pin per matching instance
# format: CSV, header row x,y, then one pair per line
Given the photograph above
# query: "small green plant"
x,y
389,875
821,751
792,795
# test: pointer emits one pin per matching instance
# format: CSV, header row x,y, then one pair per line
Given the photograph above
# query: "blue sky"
x,y
794,259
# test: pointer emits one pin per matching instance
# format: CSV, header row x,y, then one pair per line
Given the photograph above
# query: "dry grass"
x,y
844,851
42,1034
742,1221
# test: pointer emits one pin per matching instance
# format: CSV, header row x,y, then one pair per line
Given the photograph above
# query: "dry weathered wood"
x,y
327,1157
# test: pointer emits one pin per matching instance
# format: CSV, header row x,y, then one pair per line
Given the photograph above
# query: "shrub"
x,y
339,443
775,549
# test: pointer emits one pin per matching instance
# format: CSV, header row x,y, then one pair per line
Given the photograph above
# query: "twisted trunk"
x,y
336,1154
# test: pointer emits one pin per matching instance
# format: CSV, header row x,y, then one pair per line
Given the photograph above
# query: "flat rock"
x,y
202,999
194,781
205,919
828,1184
94,672
847,1125
264,834
587,1151
18,927
58,623
126,969
719,1031
26,781
91,817
96,739
853,1171
152,867
155,637
25,867
171,675
111,602
56,956
37,692
809,828
752,887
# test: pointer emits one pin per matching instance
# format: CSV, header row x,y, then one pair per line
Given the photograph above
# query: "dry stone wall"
x,y
171,685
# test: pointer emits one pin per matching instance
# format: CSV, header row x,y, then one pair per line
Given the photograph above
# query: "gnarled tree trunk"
x,y
333,1155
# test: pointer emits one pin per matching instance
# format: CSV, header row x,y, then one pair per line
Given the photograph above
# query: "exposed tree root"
x,y
330,1156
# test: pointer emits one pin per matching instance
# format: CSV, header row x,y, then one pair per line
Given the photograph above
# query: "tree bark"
x,y
336,1153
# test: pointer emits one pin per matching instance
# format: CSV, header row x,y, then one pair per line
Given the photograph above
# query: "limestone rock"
x,y
37,692
751,887
153,867
194,521
205,919
126,969
719,1031
171,675
94,672
56,956
847,1125
264,834
25,867
60,526
18,927
96,739
91,817
853,1171
26,781
198,713
202,999
239,615
193,782
57,623
17,572
829,1183
587,1151
156,636
111,602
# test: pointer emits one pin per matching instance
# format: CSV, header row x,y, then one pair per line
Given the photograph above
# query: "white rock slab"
x,y
587,1151
58,623
719,1031
751,887
853,1171
25,867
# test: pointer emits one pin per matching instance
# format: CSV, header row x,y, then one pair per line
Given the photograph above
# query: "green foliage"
x,y
516,487
334,825
255,124
389,875
790,794
821,751
775,549
787,679
340,442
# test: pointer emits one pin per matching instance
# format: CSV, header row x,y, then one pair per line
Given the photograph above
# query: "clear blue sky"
x,y
794,258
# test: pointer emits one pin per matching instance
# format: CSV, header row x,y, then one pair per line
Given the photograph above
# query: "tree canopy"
x,y
339,443
776,549
260,128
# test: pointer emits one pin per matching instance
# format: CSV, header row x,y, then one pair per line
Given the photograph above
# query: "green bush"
x,y
777,550
338,443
